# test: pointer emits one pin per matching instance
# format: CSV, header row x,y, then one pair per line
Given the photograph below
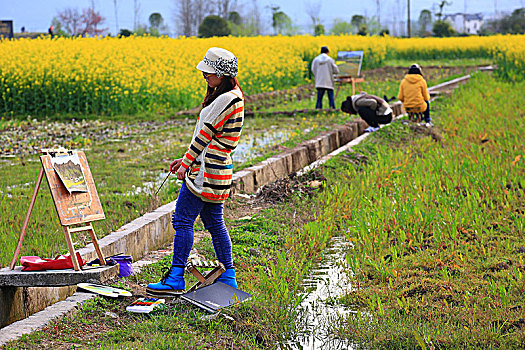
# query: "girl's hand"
x,y
180,173
175,165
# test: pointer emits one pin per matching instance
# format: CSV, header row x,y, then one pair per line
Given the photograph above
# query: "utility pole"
x,y
465,17
116,17
135,14
378,6
408,22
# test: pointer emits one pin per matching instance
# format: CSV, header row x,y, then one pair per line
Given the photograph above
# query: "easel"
x,y
349,70
74,216
345,79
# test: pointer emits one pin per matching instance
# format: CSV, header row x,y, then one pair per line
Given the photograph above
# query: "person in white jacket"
x,y
324,68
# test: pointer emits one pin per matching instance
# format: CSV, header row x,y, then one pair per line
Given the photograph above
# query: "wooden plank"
x,y
80,229
94,240
71,248
196,273
210,277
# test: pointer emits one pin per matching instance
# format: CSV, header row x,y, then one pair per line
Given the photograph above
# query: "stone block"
x,y
333,139
277,165
152,215
288,161
345,133
167,208
17,303
361,126
397,108
355,130
48,278
314,150
243,182
262,175
325,143
42,318
300,158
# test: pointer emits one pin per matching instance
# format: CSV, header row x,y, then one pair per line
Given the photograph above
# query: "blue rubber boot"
x,y
228,277
172,284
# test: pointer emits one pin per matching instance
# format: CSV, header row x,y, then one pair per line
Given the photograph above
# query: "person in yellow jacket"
x,y
414,94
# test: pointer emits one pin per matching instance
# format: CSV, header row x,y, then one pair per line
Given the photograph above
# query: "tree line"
x,y
206,18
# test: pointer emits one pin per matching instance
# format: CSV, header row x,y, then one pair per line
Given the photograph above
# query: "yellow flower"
x,y
138,73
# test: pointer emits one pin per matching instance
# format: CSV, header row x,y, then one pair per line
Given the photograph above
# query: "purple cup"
x,y
124,262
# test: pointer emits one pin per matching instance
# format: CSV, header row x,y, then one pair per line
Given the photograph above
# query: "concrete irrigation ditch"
x,y
153,230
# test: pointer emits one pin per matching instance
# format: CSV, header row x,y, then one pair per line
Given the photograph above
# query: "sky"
x,y
36,15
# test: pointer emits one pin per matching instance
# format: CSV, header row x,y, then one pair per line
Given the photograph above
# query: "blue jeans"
x,y
187,209
426,113
320,94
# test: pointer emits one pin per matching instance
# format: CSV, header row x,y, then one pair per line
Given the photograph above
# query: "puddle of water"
x,y
248,148
252,146
317,317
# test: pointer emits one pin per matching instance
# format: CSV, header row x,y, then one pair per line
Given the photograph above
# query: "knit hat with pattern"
x,y
220,62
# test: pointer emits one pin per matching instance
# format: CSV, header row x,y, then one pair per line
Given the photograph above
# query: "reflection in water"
x,y
252,146
249,147
318,317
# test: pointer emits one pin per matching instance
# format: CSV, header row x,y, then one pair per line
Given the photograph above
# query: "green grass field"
x,y
129,158
437,226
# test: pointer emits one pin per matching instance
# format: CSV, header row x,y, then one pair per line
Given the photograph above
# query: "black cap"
x,y
324,49
415,69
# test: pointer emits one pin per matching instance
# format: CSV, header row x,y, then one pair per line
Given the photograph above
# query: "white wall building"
x,y
465,23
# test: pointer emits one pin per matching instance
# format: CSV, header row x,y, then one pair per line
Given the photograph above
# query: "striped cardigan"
x,y
207,162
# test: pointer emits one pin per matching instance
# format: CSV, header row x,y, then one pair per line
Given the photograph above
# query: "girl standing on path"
x,y
207,170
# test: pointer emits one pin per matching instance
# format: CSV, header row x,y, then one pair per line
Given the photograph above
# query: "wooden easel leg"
x,y
72,252
95,244
337,91
26,221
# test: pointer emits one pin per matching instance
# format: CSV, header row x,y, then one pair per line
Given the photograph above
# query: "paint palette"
x,y
104,290
145,305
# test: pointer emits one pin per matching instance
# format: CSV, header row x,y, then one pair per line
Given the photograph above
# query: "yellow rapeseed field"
x,y
129,75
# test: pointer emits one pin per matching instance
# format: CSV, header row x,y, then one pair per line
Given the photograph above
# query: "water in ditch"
x,y
319,313
252,146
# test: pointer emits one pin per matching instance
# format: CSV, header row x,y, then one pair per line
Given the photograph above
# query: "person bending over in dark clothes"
x,y
374,110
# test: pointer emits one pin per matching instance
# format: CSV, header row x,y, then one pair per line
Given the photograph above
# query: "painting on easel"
x,y
70,172
349,63
72,188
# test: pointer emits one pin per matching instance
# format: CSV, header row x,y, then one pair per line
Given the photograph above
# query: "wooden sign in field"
x,y
6,29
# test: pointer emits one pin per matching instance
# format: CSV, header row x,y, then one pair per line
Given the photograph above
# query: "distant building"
x,y
465,23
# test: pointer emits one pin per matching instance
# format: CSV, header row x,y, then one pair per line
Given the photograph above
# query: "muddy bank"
x,y
259,102
32,135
